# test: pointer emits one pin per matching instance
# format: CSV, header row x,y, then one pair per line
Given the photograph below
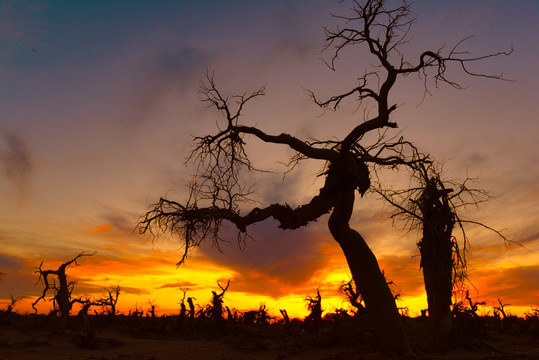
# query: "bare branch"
x,y
233,130
224,289
383,30
195,224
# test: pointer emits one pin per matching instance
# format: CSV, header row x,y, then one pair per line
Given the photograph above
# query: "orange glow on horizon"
x,y
154,278
167,303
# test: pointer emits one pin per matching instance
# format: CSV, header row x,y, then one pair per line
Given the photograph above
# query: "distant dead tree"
x,y
314,305
108,302
471,308
12,303
466,318
85,302
7,315
183,311
217,302
86,337
262,316
62,301
222,192
151,311
499,311
258,317
286,318
183,308
137,311
191,307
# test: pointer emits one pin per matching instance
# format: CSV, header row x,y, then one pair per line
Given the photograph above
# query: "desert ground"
x,y
166,338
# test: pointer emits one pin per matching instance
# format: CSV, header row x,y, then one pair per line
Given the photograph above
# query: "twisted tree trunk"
x,y
369,280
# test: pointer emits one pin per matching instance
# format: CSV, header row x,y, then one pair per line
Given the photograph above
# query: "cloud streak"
x,y
516,285
276,262
16,163
157,76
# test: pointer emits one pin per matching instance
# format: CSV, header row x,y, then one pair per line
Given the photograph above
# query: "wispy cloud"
x,y
517,285
275,261
157,76
87,288
526,239
120,220
404,272
19,277
16,163
180,285
297,36
10,263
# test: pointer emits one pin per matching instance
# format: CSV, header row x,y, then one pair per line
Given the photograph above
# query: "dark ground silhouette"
x,y
338,335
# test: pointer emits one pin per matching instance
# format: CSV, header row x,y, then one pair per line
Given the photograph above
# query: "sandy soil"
x,y
237,342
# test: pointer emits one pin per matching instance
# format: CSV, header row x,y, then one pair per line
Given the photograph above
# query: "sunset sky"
x,y
99,102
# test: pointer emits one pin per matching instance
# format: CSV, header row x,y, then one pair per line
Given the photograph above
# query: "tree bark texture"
x,y
436,248
62,297
369,280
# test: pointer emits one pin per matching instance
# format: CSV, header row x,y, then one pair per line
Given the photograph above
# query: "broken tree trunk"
x,y
436,248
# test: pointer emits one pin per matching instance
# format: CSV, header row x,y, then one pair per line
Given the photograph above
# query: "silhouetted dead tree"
x,y
467,320
108,302
137,311
85,302
151,311
220,194
183,311
434,207
499,311
314,305
217,302
7,315
191,307
62,301
183,308
472,306
262,316
286,318
13,302
258,317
